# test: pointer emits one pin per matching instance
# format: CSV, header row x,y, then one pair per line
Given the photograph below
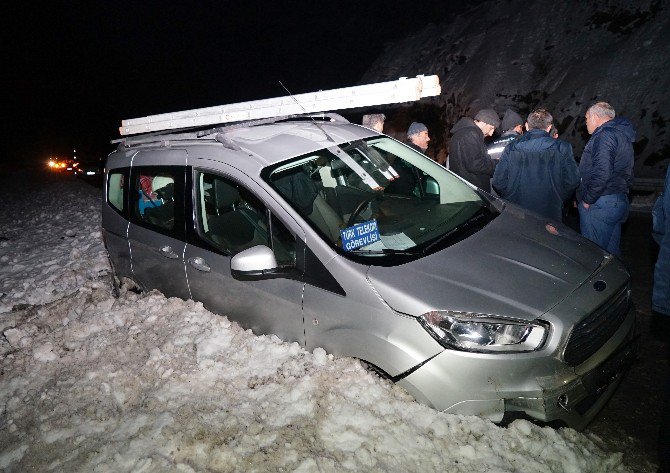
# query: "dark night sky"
x,y
75,69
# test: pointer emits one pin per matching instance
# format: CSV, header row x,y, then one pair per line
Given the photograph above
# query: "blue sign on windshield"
x,y
361,234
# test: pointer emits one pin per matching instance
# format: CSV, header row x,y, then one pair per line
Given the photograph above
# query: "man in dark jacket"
x,y
660,299
407,181
536,171
660,304
607,173
467,153
417,137
512,127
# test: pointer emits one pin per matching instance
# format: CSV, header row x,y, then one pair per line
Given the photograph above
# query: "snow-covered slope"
x,y
562,55
89,382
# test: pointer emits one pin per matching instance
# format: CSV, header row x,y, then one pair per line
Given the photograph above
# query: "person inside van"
x,y
148,197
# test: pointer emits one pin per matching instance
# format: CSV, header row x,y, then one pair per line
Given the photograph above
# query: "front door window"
x,y
233,219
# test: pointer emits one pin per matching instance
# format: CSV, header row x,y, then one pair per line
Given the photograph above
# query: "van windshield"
x,y
378,197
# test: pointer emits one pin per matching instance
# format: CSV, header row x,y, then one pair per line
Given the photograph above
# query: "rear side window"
x,y
116,185
155,201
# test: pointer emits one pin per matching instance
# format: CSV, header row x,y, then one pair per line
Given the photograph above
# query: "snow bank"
x,y
50,240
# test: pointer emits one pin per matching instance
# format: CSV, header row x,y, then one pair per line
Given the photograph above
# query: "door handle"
x,y
168,253
199,264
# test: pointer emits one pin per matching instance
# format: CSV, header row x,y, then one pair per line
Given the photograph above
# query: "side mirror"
x,y
257,262
432,187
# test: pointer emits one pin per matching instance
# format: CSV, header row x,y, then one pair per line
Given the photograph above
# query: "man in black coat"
x,y
467,152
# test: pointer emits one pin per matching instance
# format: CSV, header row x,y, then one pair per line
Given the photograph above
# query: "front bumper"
x,y
576,402
540,384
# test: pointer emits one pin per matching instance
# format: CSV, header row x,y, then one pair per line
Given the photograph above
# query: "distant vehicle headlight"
x,y
482,333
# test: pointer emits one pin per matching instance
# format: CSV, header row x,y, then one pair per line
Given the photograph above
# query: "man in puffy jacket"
x,y
606,168
467,153
660,304
536,171
660,299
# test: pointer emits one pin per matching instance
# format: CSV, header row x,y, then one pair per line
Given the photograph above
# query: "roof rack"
x,y
382,93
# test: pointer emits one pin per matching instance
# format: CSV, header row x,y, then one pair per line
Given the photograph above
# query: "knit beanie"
x,y
510,120
415,128
488,115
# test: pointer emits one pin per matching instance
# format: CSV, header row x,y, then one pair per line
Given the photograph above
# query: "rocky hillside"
x,y
560,55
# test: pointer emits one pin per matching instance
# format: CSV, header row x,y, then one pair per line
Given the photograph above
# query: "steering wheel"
x,y
361,206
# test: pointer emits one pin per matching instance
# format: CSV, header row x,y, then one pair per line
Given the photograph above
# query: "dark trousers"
x,y
661,327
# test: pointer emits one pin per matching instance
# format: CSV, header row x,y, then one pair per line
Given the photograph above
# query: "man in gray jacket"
x,y
467,153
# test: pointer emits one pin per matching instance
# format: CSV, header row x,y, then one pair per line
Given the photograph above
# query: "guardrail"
x,y
648,184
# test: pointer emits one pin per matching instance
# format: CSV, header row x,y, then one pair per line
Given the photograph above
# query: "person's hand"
x,y
586,206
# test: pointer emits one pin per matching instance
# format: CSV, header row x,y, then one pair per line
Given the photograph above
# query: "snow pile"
x,y
561,55
50,240
146,383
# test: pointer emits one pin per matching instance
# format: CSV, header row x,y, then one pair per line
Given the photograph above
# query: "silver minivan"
x,y
329,234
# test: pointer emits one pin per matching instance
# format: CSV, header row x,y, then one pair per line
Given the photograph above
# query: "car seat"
x,y
303,193
234,227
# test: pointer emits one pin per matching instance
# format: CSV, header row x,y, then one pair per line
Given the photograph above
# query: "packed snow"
x,y
90,382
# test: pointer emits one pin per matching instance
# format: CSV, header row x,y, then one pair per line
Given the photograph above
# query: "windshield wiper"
x,y
479,215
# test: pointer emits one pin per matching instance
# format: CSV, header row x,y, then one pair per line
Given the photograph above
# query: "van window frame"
x,y
195,232
178,173
125,172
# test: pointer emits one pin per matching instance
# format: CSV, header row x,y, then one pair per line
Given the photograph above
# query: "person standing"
x,y
660,301
536,171
407,181
606,168
512,126
467,152
417,137
375,121
660,304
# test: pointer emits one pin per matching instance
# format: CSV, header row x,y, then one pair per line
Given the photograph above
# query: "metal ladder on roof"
x,y
381,93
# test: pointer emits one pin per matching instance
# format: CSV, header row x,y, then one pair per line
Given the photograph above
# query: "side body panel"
x,y
115,221
270,306
158,256
357,322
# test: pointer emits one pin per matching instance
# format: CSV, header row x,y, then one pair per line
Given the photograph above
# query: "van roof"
x,y
270,141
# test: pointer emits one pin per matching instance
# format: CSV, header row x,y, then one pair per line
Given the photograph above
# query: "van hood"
x,y
518,266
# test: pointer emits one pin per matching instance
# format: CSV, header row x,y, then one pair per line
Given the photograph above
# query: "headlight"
x,y
482,333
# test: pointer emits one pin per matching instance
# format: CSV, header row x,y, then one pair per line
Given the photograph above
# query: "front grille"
x,y
596,328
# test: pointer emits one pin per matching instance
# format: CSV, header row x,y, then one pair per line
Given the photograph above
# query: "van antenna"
x,y
343,155
306,112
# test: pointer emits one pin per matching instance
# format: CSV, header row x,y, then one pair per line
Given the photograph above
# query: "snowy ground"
x,y
144,383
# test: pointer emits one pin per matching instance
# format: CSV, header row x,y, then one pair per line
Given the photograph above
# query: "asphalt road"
x,y
629,423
